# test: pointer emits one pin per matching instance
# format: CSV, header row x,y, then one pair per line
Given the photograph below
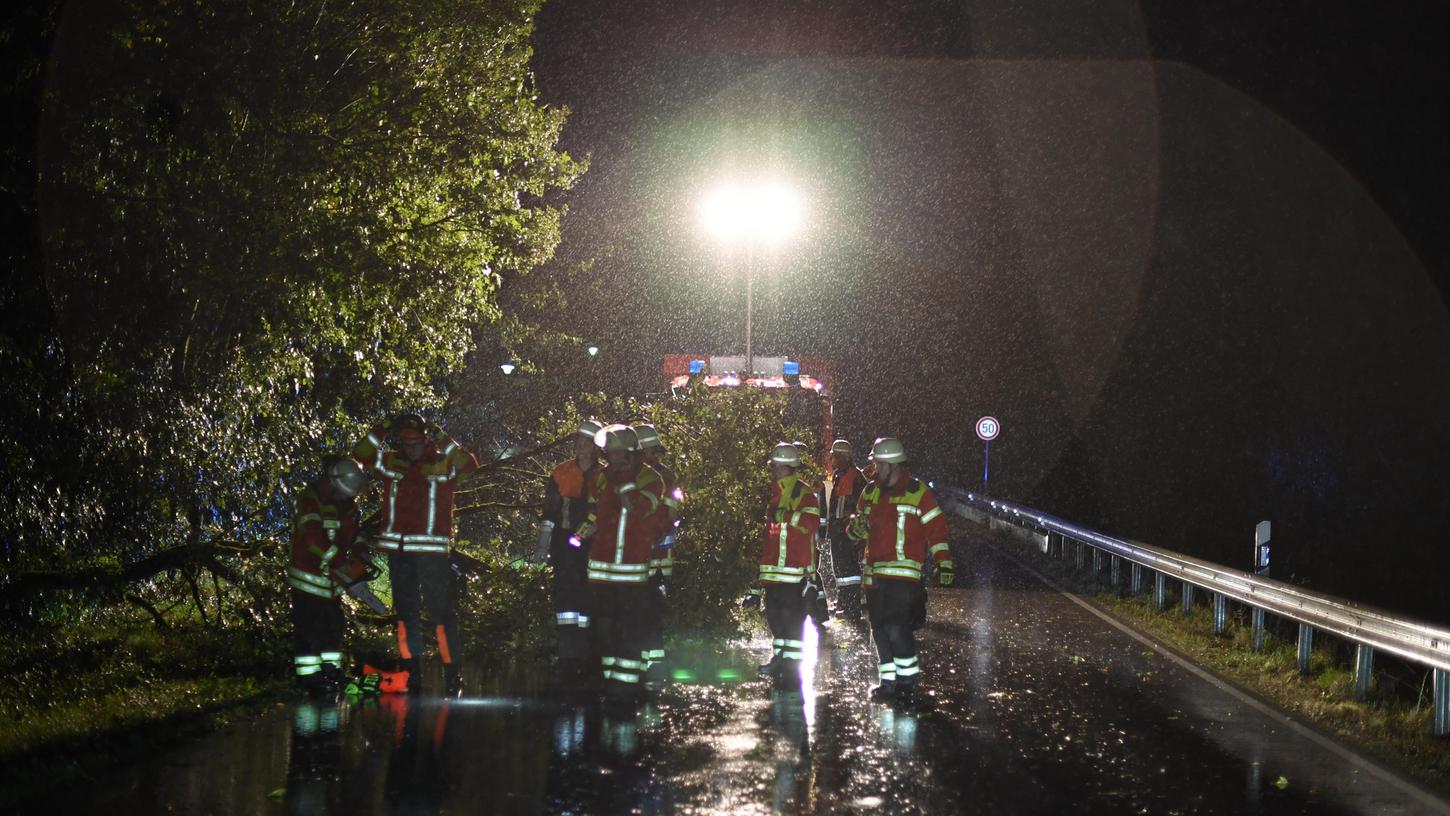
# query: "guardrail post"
x,y
1220,613
1160,591
1258,617
1079,553
1187,598
1306,647
1442,703
1363,670
1097,563
1116,570
1137,578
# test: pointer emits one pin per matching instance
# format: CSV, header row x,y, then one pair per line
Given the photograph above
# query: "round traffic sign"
x,y
988,428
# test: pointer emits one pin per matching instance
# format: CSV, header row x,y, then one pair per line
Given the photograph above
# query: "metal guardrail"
x,y
1368,628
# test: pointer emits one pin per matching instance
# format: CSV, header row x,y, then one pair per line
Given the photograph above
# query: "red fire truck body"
x,y
806,382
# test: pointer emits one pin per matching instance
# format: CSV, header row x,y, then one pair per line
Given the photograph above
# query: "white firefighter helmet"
x,y
889,450
648,436
841,446
590,427
617,437
786,454
347,476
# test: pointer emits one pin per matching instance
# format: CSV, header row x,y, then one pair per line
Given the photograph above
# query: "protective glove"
x,y
436,433
751,601
944,576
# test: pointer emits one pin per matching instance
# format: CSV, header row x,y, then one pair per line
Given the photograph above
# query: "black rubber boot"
x,y
415,675
771,669
884,693
452,680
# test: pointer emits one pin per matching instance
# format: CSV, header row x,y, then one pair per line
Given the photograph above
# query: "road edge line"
x,y
1387,774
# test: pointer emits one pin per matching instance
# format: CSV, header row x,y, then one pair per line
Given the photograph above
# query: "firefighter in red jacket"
x,y
787,561
568,500
416,532
847,482
324,539
817,610
629,518
662,560
903,526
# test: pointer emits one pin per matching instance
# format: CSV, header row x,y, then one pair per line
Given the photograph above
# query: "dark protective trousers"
x,y
618,618
846,558
425,580
785,612
317,629
896,608
571,597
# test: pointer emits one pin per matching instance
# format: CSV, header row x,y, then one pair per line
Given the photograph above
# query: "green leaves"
x,y
265,224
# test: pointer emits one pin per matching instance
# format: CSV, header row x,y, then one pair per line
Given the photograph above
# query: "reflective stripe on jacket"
x,y
629,518
324,537
788,551
903,526
416,513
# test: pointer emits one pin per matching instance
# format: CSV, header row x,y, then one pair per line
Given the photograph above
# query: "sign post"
x,y
987,429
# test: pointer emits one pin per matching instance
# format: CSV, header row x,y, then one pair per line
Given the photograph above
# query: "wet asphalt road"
x,y
1038,705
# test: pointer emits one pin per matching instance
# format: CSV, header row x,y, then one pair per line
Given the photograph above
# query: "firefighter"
x,y
324,539
903,526
568,499
816,608
847,482
629,518
416,533
662,559
787,561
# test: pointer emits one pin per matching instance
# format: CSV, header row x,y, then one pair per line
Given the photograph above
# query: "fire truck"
x,y
806,382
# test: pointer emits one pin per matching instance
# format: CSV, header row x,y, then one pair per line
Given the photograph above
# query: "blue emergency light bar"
x,y
791,368
696,366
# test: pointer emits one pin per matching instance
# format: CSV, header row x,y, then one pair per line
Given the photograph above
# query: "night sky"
x,y
1193,256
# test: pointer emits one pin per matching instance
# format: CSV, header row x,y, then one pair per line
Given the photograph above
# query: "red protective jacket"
x,y
903,526
324,537
569,494
846,486
788,551
630,517
417,502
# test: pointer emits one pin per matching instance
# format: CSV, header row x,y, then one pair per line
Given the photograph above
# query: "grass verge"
x,y
79,699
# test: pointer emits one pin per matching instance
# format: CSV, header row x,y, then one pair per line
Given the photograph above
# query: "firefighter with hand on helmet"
x,y
787,562
568,500
419,477
904,527
324,541
629,519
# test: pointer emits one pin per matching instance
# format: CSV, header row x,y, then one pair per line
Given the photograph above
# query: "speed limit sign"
x,y
988,428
